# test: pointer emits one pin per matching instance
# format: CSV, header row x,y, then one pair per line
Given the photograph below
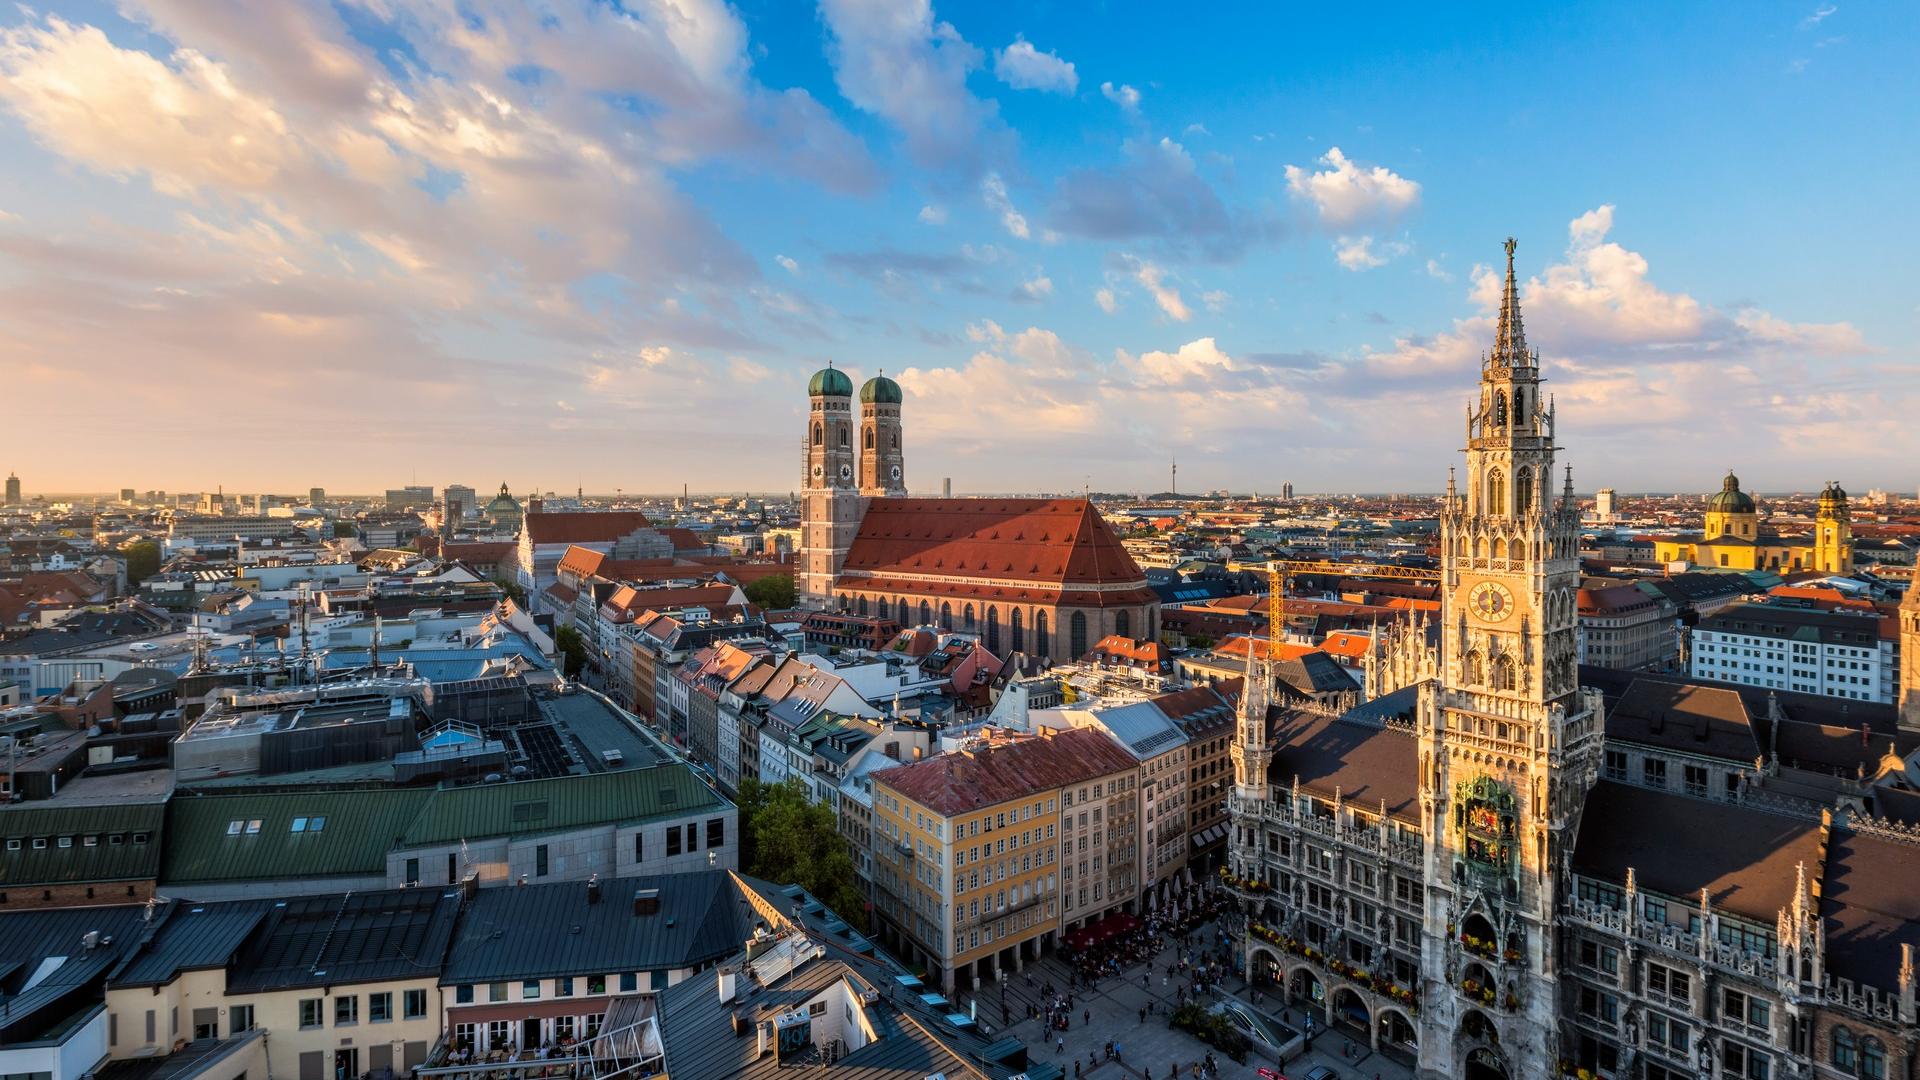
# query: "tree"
x,y
143,561
774,592
573,650
786,839
514,591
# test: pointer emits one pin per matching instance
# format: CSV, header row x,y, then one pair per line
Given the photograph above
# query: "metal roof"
x,y
29,939
59,843
622,797
350,938
358,826
546,931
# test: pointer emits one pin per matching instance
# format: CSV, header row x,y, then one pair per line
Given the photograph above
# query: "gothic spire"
x,y
1510,340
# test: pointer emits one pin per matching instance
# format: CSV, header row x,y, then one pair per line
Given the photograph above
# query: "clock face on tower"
x,y
1490,601
846,472
896,472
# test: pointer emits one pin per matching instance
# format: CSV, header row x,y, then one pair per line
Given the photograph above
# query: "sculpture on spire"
x,y
1510,340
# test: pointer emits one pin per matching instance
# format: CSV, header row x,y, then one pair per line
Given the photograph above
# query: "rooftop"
x,y
967,780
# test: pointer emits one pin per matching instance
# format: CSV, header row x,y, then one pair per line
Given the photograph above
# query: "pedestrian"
x,y
1143,1016
1060,1045
1076,1069
1086,1016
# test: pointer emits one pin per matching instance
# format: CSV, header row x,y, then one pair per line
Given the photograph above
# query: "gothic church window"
x,y
819,435
843,436
1476,668
1019,632
1500,408
946,616
926,613
867,439
1041,646
1523,491
966,618
1504,677
1496,493
1123,624
993,630
1077,635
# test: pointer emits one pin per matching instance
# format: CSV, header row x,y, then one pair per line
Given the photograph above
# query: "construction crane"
x,y
1345,569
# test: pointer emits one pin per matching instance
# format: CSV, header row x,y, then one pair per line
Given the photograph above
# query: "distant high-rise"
x,y
1603,504
946,487
316,496
127,494
406,498
13,490
462,502
1286,491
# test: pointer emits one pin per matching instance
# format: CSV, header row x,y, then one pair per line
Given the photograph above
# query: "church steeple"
x,y
1510,338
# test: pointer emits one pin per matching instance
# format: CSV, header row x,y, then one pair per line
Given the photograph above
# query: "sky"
x,y
268,245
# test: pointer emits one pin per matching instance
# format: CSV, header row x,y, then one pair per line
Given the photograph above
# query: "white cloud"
x,y
1356,253
1345,193
1435,270
1039,288
1818,16
1359,253
1196,361
1107,301
1024,67
994,191
1123,95
1196,129
890,58
1152,277
931,214
787,264
1215,300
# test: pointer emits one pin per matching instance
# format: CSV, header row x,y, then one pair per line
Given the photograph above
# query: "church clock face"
x,y
896,472
1490,601
846,472
817,470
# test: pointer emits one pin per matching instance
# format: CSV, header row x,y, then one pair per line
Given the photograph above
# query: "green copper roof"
x,y
1730,499
830,382
880,390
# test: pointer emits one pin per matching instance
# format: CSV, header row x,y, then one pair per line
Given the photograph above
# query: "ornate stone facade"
x,y
1444,873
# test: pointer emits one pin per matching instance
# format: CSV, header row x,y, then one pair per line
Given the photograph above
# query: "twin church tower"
x,y
847,463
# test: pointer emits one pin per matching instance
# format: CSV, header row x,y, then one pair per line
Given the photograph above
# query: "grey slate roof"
x,y
355,937
189,937
545,931
1870,906
29,938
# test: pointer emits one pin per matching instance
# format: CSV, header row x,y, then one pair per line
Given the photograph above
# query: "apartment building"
x,y
1836,653
984,856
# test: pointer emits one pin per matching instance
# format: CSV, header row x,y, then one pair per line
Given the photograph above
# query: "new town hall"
x,y
1492,873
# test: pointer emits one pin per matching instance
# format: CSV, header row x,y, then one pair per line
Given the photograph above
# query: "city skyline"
x,y
502,248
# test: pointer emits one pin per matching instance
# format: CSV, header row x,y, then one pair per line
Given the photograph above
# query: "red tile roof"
x,y
1347,644
583,527
482,552
964,781
1263,649
1050,544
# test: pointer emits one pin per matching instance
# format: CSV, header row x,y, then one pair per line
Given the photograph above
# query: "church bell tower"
x,y
1509,743
830,503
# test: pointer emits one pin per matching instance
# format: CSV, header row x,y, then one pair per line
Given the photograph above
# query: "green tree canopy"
x,y
573,650
143,561
788,840
774,592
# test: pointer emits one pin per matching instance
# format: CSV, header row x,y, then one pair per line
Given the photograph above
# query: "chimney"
x,y
593,889
730,986
646,901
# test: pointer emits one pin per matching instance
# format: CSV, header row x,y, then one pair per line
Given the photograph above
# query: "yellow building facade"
x,y
1733,538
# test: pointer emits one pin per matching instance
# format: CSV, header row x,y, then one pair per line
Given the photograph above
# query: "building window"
x,y
540,865
1696,780
346,1010
239,1019
628,983
496,992
413,872
1616,765
380,1007
639,847
530,990
596,984
413,1004
1739,1061
673,840
463,995
1845,1052
310,1015
716,832
1654,771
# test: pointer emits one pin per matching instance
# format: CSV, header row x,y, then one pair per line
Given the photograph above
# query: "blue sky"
x,y
280,244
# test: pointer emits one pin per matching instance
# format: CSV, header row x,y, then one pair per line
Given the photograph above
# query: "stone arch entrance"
x,y
1305,988
1477,1048
1350,1013
1396,1032
1264,969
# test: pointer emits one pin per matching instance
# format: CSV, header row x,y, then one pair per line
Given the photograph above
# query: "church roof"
x,y
1730,499
1870,906
1047,544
